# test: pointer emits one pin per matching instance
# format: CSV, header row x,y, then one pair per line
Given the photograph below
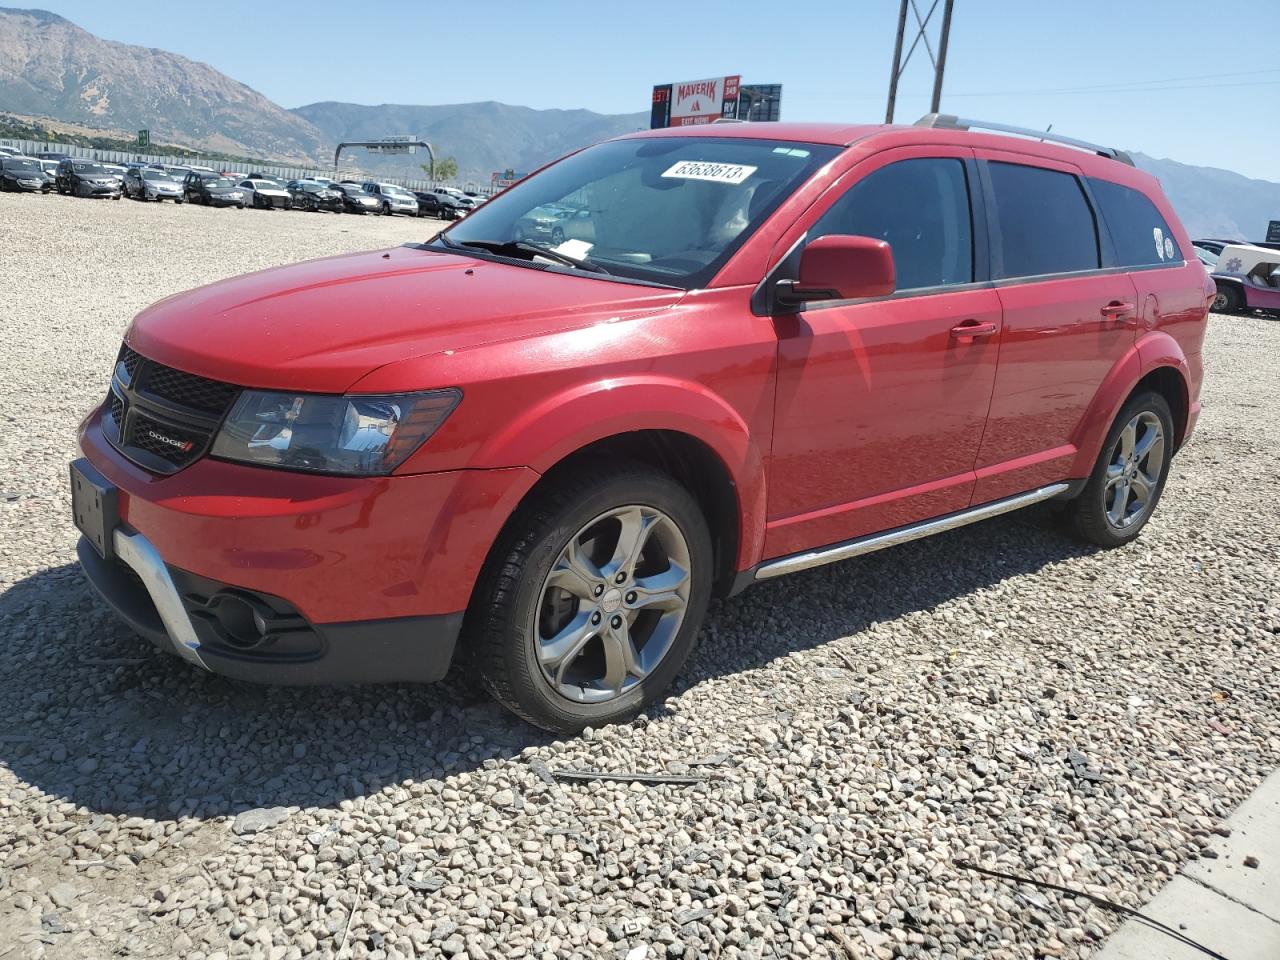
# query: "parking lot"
x,y
842,743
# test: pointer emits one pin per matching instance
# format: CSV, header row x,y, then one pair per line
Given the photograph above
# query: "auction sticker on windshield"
x,y
706,170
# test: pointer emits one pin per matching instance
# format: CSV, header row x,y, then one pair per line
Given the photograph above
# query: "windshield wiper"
x,y
536,249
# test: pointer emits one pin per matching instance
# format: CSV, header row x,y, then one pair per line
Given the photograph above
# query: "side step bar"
x,y
915,531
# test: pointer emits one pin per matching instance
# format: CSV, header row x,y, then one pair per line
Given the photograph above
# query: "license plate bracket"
x,y
94,506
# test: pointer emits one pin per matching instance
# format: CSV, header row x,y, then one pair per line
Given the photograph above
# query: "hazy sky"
x,y
1195,81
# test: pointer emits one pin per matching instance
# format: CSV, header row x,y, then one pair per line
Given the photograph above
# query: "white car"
x,y
266,194
393,198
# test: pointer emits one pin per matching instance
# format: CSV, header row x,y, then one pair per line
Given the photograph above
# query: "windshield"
x,y
156,175
669,210
1207,257
20,165
219,182
89,168
395,191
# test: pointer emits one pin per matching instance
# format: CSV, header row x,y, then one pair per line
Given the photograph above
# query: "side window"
x,y
1140,233
1044,221
921,208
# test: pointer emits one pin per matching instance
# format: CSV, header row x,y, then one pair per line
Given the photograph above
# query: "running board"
x,y
916,531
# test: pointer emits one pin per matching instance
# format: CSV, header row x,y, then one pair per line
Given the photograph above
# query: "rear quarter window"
x,y
1044,221
1138,230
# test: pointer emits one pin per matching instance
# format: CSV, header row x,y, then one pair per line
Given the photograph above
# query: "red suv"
x,y
740,350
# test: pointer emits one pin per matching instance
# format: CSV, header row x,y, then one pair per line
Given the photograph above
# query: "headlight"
x,y
362,435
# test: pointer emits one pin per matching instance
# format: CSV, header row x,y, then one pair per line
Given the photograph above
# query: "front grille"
x,y
161,418
208,396
116,409
174,444
131,360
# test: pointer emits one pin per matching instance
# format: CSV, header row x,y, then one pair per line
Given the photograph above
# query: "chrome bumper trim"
x,y
139,553
916,531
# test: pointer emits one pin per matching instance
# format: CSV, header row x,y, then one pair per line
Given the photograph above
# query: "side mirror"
x,y
840,267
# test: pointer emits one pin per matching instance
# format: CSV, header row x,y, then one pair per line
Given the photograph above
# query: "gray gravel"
x,y
858,730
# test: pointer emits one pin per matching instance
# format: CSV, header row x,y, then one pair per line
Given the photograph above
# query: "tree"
x,y
446,168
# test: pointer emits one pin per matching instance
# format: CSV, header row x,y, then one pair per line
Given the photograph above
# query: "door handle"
x,y
1115,310
972,328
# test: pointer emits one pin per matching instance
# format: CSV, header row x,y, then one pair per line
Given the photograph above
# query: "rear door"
x,y
881,403
1067,319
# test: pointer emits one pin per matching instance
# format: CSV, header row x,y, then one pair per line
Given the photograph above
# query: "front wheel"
x,y
1126,483
1227,300
592,601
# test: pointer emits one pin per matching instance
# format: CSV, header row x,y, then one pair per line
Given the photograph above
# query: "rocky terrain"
x,y
844,744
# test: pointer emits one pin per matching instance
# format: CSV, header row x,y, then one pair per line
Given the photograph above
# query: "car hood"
x,y
323,324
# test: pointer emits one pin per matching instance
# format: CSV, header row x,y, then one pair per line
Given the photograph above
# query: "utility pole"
x,y
921,33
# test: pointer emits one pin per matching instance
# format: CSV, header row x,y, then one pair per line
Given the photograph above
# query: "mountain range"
x,y
50,67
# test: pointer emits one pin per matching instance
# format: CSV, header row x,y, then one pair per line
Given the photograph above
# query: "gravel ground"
x,y
856,732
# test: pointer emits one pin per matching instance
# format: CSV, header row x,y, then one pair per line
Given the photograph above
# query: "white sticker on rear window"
x,y
706,170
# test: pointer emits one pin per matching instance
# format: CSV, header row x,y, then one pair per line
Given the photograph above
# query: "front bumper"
x,y
351,557
249,636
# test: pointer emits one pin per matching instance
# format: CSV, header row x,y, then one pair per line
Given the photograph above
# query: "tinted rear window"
x,y
1044,221
1139,232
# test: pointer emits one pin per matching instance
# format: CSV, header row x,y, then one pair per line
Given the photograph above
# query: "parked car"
x,y
310,195
355,199
555,223
392,198
787,347
23,175
49,168
265,194
270,178
214,190
86,178
115,169
1246,277
52,155
144,184
440,206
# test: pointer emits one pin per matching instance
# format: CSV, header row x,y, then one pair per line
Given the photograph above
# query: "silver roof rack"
x,y
950,122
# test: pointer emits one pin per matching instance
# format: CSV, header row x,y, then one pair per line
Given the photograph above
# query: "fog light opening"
x,y
241,624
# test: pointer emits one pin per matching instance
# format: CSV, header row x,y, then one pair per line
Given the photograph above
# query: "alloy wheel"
x,y
612,605
1134,471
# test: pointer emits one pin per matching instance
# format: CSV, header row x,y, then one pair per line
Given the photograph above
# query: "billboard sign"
x,y
694,102
390,145
760,101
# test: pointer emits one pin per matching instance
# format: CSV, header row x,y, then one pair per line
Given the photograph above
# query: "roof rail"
x,y
949,122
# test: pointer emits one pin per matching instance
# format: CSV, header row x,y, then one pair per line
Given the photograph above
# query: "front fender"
x,y
1153,350
565,422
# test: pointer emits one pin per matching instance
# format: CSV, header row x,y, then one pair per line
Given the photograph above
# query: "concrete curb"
x,y
1219,902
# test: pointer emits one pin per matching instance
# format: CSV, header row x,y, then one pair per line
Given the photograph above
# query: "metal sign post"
x,y
939,61
388,145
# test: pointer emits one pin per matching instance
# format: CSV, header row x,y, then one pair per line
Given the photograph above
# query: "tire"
x,y
1228,299
517,611
557,235
386,209
1094,515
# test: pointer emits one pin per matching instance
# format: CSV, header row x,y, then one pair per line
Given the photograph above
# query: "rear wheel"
x,y
1126,483
1228,299
593,601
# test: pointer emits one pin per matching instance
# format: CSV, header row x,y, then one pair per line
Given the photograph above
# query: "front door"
x,y
881,403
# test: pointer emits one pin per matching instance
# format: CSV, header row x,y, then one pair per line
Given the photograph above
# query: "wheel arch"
x,y
1155,362
688,460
